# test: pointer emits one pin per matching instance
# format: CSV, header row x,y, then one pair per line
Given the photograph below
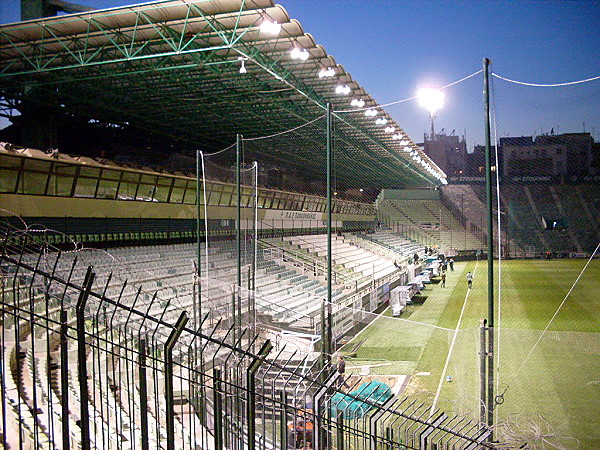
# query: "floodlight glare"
x,y
268,27
431,99
298,53
329,72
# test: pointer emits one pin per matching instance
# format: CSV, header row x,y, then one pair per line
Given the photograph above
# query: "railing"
x,y
305,262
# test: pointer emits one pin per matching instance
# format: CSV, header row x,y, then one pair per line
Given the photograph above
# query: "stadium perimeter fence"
x,y
83,369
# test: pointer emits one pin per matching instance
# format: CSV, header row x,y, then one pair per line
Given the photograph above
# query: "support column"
x,y
329,215
490,247
238,235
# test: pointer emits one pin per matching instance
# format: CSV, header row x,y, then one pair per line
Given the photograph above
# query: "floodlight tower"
x,y
432,100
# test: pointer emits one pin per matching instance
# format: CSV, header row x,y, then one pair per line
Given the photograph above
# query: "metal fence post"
x,y
322,413
82,359
340,430
250,385
283,418
64,376
143,394
177,330
218,409
389,437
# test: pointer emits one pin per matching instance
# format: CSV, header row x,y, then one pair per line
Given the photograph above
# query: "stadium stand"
x,y
530,211
437,224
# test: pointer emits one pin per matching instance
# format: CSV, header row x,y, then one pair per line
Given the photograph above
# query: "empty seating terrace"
x,y
573,207
429,219
283,287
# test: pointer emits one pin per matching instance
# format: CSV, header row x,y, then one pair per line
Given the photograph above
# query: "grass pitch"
x,y
547,359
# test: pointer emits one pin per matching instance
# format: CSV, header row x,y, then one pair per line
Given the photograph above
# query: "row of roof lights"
x,y
273,28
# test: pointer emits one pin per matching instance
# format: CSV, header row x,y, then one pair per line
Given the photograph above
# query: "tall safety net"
x,y
226,248
544,229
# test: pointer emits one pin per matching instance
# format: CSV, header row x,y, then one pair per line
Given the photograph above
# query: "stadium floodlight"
x,y
432,100
371,112
390,129
329,72
407,149
359,102
342,90
270,27
397,137
381,121
403,142
299,53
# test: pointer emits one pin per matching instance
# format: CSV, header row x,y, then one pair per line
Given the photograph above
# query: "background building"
x,y
448,151
548,155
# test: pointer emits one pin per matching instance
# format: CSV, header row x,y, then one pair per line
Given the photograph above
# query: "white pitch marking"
x,y
462,311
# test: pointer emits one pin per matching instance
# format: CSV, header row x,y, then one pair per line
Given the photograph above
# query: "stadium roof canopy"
x,y
172,69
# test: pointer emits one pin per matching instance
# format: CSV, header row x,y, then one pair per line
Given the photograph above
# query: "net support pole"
x,y
329,204
482,373
490,246
196,300
238,233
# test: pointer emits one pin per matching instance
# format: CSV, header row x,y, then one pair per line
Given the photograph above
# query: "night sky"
x,y
394,47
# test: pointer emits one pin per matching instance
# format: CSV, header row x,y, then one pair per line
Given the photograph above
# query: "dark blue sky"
x,y
393,47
